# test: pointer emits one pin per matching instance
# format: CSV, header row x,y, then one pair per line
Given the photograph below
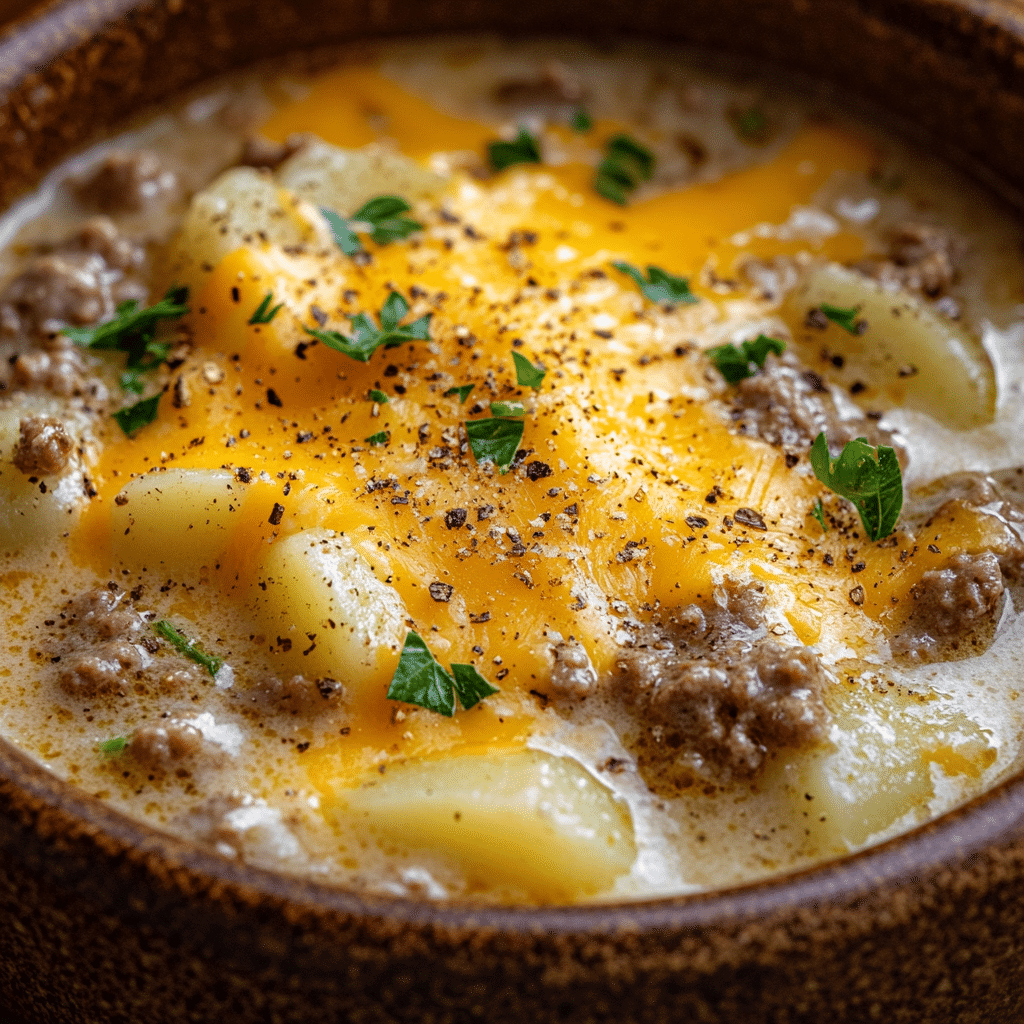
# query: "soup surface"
x,y
518,472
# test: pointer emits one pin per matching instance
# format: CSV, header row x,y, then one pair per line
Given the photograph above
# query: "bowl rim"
x,y
991,822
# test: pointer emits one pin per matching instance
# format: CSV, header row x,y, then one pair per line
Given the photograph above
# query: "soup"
x,y
524,473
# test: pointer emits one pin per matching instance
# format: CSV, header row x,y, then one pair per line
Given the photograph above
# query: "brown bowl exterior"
x,y
104,919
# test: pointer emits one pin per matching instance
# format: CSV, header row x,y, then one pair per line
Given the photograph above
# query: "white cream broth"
x,y
684,681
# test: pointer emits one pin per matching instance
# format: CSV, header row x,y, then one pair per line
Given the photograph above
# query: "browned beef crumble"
x,y
954,600
164,746
260,152
79,283
44,446
715,692
129,183
920,258
297,695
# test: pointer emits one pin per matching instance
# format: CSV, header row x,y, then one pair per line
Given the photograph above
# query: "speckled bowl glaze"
x,y
103,919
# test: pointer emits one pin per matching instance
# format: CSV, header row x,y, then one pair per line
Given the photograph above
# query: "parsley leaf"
x,y
381,437
344,237
581,121
462,392
868,477
420,680
734,363
508,409
523,149
495,440
132,330
845,318
470,685
626,164
131,380
818,512
384,215
114,746
379,397
751,125
659,286
264,314
183,645
367,337
136,416
527,374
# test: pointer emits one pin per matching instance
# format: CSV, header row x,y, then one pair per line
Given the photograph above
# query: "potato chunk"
x,y
243,207
180,519
344,179
905,355
324,611
523,820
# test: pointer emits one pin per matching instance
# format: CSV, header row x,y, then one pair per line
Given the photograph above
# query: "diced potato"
x,y
323,610
180,519
526,820
908,355
33,509
887,747
344,179
243,207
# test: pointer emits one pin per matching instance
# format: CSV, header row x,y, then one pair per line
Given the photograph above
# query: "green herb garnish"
x,y
133,330
495,440
528,375
626,164
845,318
131,380
818,512
114,746
581,121
183,645
383,217
523,149
659,286
420,680
264,314
381,437
512,409
136,416
751,125
367,337
868,477
379,397
462,392
735,363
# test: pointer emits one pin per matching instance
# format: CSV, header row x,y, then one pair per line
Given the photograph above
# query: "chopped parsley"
x,y
462,392
379,397
264,313
581,121
420,680
382,217
868,477
114,746
133,330
367,337
508,409
751,125
845,318
528,375
189,648
818,512
136,416
381,437
735,363
131,380
495,440
659,286
523,149
626,164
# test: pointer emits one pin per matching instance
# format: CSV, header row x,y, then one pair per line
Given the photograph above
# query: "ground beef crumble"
x,y
920,258
44,446
129,183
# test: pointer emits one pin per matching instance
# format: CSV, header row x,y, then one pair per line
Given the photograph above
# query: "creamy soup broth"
x,y
680,660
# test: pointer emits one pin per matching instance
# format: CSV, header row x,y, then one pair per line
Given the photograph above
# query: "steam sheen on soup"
x,y
474,470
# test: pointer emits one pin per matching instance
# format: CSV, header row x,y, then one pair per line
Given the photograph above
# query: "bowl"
x,y
105,919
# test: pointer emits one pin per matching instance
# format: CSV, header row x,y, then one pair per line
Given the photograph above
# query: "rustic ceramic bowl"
x,y
104,919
